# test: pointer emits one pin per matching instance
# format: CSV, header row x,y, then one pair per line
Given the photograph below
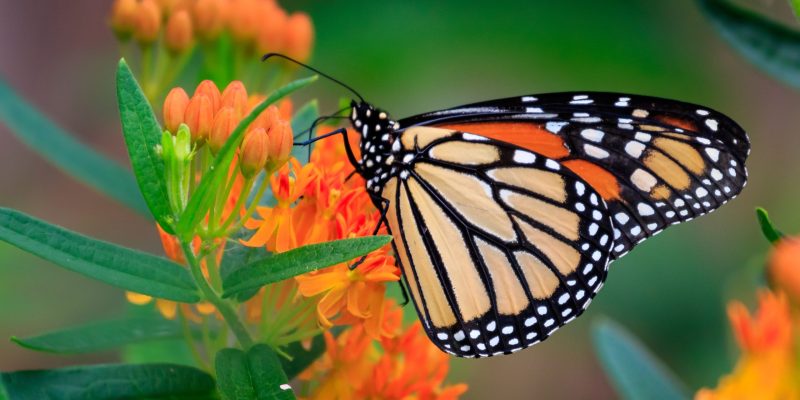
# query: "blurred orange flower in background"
x,y
768,367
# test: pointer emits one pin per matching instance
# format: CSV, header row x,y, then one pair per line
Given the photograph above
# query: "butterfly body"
x,y
506,214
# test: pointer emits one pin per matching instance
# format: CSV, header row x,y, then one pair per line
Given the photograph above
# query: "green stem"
x,y
225,309
187,335
248,184
259,193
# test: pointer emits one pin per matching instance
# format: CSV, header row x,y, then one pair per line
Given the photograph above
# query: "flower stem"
x,y
187,335
224,307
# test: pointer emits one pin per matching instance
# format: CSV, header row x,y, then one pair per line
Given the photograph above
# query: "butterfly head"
x,y
378,132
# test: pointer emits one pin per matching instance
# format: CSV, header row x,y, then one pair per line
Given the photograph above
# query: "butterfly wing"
x,y
500,246
656,162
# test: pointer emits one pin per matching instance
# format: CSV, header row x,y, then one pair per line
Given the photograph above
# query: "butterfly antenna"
x,y
271,55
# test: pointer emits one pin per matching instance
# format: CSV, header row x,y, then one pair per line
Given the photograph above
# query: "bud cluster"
x,y
254,27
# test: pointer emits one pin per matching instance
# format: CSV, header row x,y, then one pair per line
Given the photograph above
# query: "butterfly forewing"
x,y
655,162
500,246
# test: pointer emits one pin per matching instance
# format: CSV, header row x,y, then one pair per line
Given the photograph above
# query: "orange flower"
x,y
783,267
178,34
276,230
353,295
408,366
768,368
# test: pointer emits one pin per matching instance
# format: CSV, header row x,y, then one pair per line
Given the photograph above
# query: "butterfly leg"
x,y
341,131
382,220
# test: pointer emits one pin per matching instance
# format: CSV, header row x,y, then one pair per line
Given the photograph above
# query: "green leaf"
x,y
767,228
63,150
113,381
301,358
635,373
299,261
256,374
795,7
769,45
143,138
107,262
236,256
203,196
102,335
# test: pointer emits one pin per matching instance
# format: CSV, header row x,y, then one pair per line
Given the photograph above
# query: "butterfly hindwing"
x,y
655,162
500,246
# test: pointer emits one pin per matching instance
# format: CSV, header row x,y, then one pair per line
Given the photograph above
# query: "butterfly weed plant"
x,y
259,235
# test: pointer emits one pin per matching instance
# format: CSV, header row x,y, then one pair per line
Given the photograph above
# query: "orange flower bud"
x,y
300,36
267,118
286,109
280,144
199,117
235,96
209,89
244,21
168,6
174,108
123,18
178,34
271,36
209,18
148,22
783,267
254,152
224,124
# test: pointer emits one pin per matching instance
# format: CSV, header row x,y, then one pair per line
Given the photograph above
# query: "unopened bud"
x,y
271,36
175,108
267,118
254,152
286,109
235,96
178,35
224,123
300,36
244,21
209,18
281,140
199,117
123,18
148,22
783,267
209,89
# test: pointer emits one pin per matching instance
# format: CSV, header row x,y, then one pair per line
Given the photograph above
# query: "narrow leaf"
x,y
299,261
767,44
767,228
98,382
795,7
268,377
256,374
103,335
203,196
236,256
142,137
300,357
63,150
635,373
107,262
233,376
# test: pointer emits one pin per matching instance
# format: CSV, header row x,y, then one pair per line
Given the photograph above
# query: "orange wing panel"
x,y
522,134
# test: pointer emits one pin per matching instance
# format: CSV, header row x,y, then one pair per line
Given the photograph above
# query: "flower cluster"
x,y
167,33
768,367
407,365
319,202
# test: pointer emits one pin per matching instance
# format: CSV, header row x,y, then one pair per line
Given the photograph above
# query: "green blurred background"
x,y
410,57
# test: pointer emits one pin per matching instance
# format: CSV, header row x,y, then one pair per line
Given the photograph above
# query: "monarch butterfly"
x,y
505,214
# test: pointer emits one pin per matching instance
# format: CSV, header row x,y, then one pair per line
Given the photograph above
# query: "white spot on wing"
x,y
524,157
